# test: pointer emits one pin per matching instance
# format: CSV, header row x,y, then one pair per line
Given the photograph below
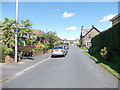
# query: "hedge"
x,y
109,38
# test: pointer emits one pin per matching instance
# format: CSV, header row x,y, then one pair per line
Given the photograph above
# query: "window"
x,y
88,44
58,47
89,36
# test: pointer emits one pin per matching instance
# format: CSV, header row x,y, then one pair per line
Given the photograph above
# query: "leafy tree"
x,y
52,38
48,38
41,37
25,29
9,29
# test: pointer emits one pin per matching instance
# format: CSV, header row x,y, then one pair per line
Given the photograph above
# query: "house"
x,y
87,35
35,35
115,19
37,32
66,41
76,41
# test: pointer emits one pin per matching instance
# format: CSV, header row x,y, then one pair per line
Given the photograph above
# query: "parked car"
x,y
65,47
58,51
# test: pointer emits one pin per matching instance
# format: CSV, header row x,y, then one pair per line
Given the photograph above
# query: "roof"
x,y
84,31
37,32
91,30
115,17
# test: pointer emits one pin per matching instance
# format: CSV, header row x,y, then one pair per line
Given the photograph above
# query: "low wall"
x,y
40,52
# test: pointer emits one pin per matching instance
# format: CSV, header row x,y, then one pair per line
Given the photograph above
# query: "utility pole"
x,y
16,41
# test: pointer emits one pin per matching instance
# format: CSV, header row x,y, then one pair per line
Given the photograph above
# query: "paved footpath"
x,y
11,69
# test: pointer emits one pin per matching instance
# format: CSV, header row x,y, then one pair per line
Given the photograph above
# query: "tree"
x,y
25,31
52,38
9,29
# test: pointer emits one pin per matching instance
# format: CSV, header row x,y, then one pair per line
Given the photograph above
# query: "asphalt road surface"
x,y
75,70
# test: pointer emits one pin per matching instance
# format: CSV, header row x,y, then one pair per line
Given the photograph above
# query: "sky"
x,y
65,18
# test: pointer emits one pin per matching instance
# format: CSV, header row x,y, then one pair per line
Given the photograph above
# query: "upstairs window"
x,y
89,36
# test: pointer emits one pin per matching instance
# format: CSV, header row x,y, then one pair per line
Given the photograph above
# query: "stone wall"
x,y
9,59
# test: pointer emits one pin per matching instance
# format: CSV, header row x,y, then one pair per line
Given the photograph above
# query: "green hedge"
x,y
109,39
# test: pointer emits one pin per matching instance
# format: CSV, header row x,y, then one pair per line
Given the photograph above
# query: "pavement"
x,y
10,70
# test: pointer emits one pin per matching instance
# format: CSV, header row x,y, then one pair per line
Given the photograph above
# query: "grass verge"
x,y
105,66
85,48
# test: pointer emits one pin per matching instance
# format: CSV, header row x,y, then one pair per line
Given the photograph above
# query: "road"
x,y
75,70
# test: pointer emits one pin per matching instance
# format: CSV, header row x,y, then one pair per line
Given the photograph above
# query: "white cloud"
x,y
58,9
66,14
73,38
108,17
73,28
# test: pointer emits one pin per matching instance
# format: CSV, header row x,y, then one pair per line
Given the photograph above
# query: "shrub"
x,y
41,46
103,52
26,50
58,44
7,51
1,53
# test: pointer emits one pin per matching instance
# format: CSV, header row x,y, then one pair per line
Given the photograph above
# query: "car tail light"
x,y
62,50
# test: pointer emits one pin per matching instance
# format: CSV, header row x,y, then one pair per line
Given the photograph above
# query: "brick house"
x,y
35,35
37,32
87,35
115,19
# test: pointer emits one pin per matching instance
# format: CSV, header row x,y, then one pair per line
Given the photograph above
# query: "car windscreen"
x,y
58,48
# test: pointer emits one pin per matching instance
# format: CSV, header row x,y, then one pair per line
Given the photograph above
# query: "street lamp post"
x,y
16,31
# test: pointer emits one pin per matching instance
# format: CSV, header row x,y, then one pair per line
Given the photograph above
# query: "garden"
x,y
27,44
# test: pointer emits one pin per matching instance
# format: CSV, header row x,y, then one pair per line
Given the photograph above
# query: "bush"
x,y
58,44
103,52
41,46
1,53
26,50
7,51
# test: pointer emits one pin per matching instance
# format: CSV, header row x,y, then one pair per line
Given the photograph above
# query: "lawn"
x,y
109,66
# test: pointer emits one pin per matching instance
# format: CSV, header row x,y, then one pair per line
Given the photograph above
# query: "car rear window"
x,y
58,48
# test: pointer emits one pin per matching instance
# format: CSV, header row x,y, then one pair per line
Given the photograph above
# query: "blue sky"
x,y
66,18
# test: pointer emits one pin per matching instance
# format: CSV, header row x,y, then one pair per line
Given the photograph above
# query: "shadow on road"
x,y
28,58
57,56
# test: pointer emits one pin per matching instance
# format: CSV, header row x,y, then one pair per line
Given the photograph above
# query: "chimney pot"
x,y
81,27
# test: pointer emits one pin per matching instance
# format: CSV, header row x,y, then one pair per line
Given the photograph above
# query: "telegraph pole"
x,y
16,41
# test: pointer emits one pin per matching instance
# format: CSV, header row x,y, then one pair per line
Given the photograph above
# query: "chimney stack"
x,y
92,26
81,27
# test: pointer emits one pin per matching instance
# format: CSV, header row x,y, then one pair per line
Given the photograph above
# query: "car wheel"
x,y
52,56
63,55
